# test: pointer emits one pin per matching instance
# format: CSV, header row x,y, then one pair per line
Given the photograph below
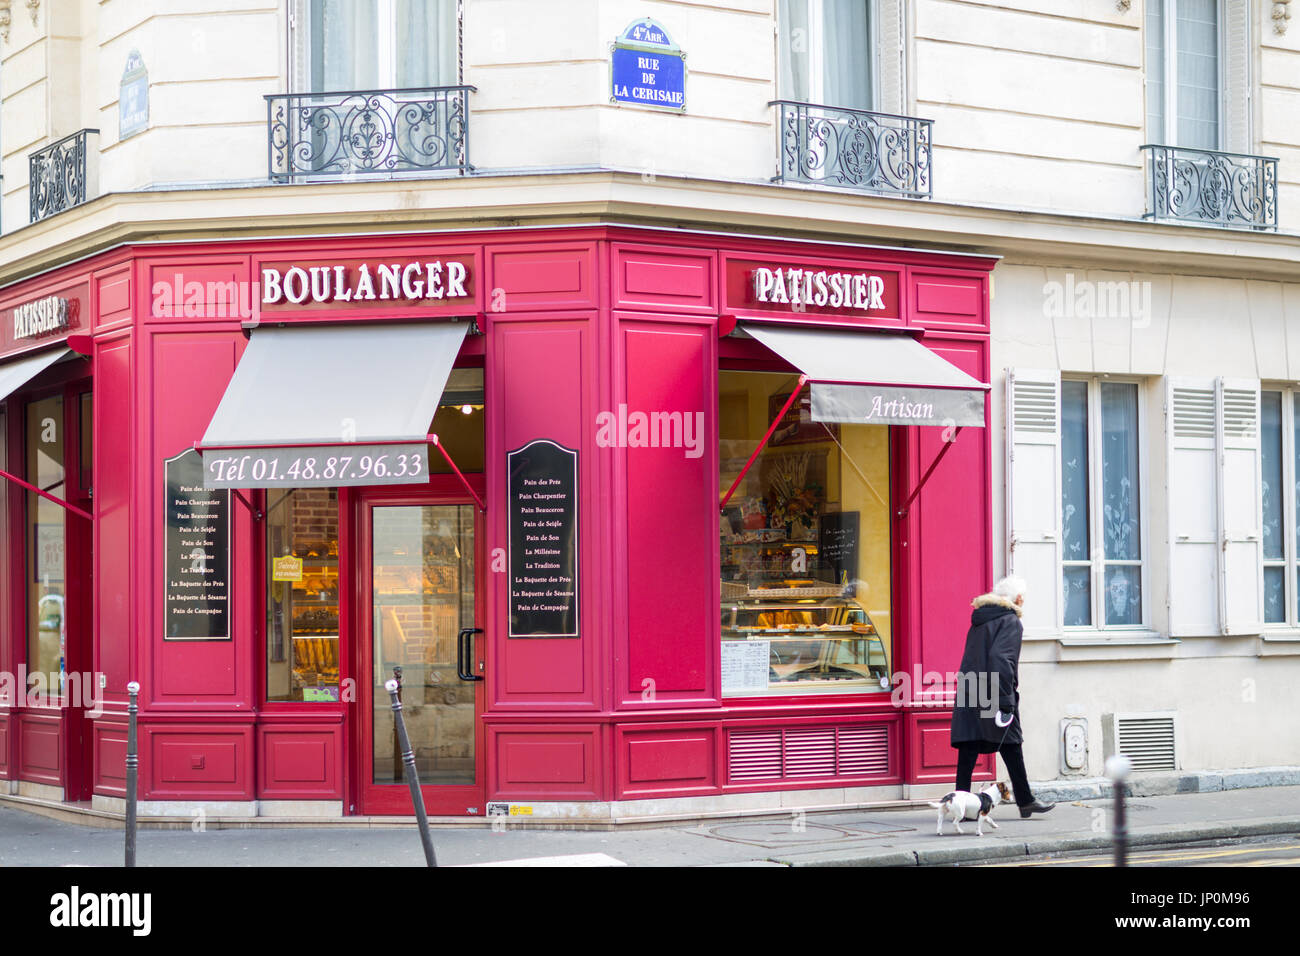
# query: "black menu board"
x,y
543,540
197,566
837,548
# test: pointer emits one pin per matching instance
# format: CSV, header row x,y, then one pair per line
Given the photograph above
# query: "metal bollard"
x,y
412,778
1118,768
132,768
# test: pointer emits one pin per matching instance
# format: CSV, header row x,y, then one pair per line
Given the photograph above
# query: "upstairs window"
x,y
825,52
1183,72
348,45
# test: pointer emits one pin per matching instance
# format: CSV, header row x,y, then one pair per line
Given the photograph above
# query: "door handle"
x,y
464,651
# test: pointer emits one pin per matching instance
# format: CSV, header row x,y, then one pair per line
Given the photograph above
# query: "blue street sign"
x,y
647,68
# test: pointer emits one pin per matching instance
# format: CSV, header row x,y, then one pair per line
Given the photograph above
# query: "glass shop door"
x,y
418,574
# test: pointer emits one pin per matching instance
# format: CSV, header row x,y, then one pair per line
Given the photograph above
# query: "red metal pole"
x,y
481,507
803,380
58,501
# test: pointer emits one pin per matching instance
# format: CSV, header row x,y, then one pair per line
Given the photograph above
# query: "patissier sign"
x,y
819,287
34,319
366,282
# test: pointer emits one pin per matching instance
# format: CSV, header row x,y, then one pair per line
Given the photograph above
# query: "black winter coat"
x,y
992,648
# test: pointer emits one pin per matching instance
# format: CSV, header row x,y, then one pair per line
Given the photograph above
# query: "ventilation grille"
x,y
793,754
1147,741
1034,407
1240,413
1194,413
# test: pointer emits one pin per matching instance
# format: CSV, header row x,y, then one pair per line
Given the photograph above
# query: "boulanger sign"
x,y
361,283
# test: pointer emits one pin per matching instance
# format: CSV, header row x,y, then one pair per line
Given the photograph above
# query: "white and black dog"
x,y
962,805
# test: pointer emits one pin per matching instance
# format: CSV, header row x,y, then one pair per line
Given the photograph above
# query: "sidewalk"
x,y
857,838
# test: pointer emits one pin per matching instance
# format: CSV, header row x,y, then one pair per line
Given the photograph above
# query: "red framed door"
x,y
419,575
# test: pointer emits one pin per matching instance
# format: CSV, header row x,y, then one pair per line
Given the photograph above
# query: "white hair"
x,y
1010,588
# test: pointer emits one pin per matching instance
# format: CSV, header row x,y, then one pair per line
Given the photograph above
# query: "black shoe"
x,y
1036,807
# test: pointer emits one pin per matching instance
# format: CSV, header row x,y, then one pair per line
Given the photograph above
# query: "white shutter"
x,y
1193,507
1237,55
891,50
1034,494
1241,594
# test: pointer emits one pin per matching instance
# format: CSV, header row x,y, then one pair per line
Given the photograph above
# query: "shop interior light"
x,y
467,409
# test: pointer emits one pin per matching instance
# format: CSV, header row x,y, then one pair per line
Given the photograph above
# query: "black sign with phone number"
x,y
326,467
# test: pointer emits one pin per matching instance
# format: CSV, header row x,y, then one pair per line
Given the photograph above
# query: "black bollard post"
x,y
132,768
1118,768
412,778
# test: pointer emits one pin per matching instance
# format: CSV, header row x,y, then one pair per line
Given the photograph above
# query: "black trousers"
x,y
1012,756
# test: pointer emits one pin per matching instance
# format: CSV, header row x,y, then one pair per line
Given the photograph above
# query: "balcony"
x,y
368,133
870,152
63,174
1207,186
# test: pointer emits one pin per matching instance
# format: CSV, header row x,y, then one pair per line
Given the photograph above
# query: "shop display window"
x,y
302,606
47,623
805,546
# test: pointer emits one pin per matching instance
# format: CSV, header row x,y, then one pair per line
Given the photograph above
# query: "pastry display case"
x,y
810,640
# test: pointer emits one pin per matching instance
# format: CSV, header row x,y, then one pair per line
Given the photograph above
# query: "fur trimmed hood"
x,y
996,600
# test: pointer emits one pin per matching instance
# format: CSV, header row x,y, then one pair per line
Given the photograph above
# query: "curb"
x,y
1168,784
1174,833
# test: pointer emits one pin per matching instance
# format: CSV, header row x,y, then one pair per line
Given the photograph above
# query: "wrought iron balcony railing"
x,y
1204,185
368,133
63,174
872,152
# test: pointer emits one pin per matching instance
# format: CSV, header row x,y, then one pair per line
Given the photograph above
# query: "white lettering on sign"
x,y
413,281
37,318
898,408
839,290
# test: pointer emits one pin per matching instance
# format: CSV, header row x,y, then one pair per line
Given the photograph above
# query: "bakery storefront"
x,y
633,516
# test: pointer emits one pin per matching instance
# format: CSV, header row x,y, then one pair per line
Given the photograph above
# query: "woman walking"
x,y
991,666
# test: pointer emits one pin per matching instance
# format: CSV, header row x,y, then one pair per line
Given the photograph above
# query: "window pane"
x,y
344,45
86,456
1123,595
46,612
1119,472
1197,30
1274,596
1271,474
846,64
426,43
794,50
1074,470
1295,445
805,546
1155,40
302,606
1078,597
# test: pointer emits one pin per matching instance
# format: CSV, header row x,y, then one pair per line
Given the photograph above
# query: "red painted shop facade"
x,y
631,515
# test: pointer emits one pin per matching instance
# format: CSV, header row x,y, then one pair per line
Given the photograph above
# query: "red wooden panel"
x,y
112,483
4,746
40,749
213,763
673,645
114,295
541,277
660,278
540,373
933,759
949,301
952,506
299,763
542,763
201,290
110,758
675,761
198,366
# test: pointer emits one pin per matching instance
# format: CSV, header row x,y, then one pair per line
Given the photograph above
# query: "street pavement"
x,y
852,838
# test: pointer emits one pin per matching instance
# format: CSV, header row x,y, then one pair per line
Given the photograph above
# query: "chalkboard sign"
x,y
543,540
837,547
196,588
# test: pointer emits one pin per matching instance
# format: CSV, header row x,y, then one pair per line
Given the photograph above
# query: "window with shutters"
x,y
1102,541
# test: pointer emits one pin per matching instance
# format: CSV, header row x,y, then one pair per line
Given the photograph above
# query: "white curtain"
x,y
344,47
1155,43
824,54
1197,30
426,43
